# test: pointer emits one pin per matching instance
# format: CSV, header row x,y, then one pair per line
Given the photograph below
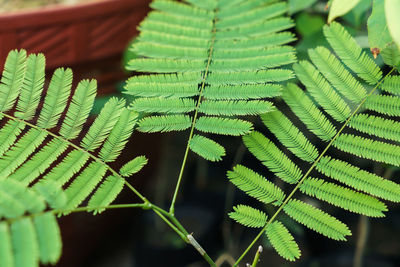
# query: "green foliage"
x,y
392,9
282,241
29,232
378,32
333,95
220,62
340,7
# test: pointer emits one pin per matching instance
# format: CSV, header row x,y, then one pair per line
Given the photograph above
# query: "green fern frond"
x,y
106,193
308,113
248,216
359,179
255,185
29,233
163,105
316,220
133,166
32,87
207,148
322,91
48,238
224,126
248,91
391,85
12,79
214,61
238,107
282,241
369,149
56,98
373,125
336,73
290,136
343,197
384,104
79,109
271,156
351,53
165,123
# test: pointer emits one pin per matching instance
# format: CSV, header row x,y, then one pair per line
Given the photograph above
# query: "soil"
x,y
26,5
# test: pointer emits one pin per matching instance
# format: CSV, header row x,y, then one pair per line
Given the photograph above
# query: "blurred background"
x,y
92,37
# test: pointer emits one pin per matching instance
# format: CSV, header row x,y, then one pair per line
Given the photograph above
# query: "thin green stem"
x,y
257,256
172,207
310,169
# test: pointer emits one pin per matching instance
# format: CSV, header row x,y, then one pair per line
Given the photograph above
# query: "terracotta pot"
x,y
72,35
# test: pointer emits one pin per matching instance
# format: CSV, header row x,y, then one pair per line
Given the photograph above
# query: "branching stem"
x,y
172,207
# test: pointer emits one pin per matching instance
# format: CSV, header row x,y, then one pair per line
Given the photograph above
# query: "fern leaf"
x,y
103,124
166,123
6,256
83,185
337,74
180,9
250,63
202,56
343,197
12,78
133,166
384,104
350,52
309,114
256,29
27,199
316,220
163,105
21,150
52,192
8,135
391,84
48,238
282,241
359,179
206,148
248,91
255,185
70,165
25,244
79,109
231,108
56,98
369,149
168,86
32,87
224,126
290,136
106,193
42,160
250,16
373,125
249,77
157,50
265,151
261,41
119,136
248,216
320,89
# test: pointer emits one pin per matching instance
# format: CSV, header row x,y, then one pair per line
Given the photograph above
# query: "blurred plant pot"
x,y
71,35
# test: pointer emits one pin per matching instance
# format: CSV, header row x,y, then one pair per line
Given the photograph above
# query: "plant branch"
x,y
172,207
311,168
